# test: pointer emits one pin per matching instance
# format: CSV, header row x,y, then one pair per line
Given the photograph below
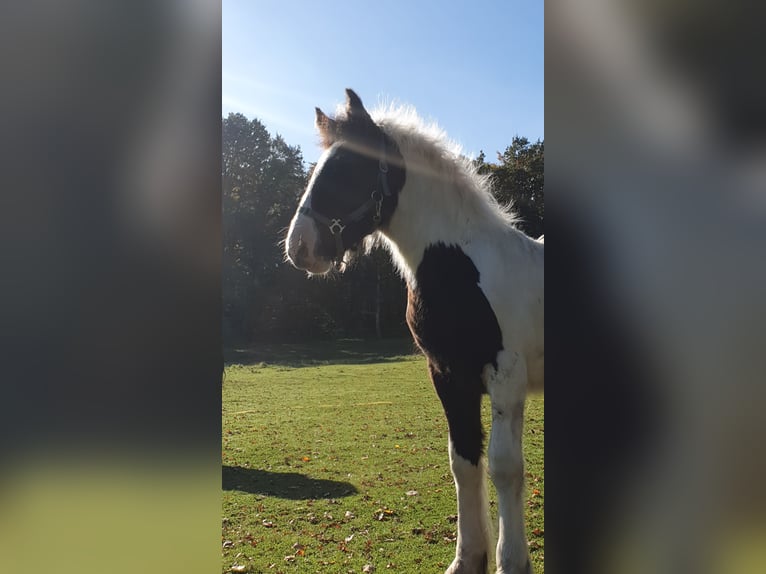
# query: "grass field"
x,y
335,460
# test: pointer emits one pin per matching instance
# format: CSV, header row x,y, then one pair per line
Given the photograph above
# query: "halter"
x,y
337,225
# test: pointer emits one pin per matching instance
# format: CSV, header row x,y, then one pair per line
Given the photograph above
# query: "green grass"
x,y
335,457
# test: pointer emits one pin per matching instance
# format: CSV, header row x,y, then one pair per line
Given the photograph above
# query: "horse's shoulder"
x,y
447,310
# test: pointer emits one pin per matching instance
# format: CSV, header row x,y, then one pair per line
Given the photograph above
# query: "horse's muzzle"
x,y
300,255
300,246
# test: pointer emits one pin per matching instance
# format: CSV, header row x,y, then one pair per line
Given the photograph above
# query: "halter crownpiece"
x,y
336,225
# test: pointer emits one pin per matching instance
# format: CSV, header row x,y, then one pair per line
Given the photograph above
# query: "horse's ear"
x,y
354,106
327,127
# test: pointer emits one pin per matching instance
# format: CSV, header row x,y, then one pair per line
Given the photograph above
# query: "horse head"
x,y
352,191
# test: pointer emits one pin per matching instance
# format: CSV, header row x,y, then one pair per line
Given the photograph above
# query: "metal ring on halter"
x,y
336,227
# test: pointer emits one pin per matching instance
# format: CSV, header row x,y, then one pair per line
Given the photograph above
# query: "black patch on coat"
x,y
454,325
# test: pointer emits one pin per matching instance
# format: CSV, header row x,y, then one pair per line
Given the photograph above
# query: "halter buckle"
x,y
377,197
336,227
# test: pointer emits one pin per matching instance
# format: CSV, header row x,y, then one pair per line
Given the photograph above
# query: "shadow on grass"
x,y
341,351
290,485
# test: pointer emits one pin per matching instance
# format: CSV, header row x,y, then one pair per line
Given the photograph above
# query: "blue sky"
x,y
474,67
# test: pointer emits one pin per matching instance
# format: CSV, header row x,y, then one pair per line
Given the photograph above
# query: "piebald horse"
x,y
475,294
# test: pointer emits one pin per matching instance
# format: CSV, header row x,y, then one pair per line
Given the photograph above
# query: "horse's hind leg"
x,y
507,390
462,405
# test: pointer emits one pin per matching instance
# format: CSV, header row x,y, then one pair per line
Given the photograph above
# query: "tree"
x,y
262,180
519,179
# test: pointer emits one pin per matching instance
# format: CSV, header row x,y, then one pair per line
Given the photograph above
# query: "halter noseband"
x,y
375,202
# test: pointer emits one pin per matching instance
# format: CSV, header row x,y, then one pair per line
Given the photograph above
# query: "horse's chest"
x,y
448,314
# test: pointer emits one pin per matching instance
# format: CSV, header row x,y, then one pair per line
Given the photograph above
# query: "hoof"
x,y
526,569
473,565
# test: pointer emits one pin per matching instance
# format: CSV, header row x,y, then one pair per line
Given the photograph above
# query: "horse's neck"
x,y
431,211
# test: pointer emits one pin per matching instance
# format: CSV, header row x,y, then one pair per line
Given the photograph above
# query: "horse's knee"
x,y
506,469
506,463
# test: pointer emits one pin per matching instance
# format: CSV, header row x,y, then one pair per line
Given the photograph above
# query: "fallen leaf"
x,y
268,523
238,568
368,568
411,493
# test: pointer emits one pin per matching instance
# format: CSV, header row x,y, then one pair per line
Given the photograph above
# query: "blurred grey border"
x,y
111,225
655,181
110,284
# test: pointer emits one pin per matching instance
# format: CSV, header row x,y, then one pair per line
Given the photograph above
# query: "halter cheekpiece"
x,y
375,202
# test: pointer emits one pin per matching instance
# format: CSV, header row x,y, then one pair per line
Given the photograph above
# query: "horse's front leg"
x,y
507,390
461,399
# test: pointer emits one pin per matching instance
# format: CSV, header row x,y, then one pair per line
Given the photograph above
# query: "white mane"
x,y
427,149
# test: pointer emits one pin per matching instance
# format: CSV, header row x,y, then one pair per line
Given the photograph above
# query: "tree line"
x,y
266,300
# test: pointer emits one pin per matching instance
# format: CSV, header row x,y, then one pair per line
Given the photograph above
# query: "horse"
x,y
475,295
